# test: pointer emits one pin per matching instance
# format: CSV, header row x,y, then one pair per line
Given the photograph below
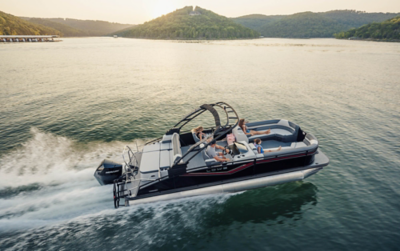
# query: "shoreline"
x,y
371,40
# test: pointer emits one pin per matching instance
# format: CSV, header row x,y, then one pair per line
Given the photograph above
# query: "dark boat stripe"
x,y
221,173
242,167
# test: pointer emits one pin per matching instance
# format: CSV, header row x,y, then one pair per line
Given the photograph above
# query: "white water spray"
x,y
51,181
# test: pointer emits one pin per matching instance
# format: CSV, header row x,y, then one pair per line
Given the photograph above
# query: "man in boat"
x,y
213,154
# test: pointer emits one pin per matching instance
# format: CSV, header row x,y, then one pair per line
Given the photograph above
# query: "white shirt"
x,y
211,151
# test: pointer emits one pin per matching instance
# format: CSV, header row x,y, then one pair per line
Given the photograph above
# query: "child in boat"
x,y
242,124
257,144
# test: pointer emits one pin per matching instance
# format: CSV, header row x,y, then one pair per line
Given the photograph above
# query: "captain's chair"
x,y
209,160
196,139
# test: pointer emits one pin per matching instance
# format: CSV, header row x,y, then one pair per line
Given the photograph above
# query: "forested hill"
x,y
387,31
309,24
91,27
65,30
357,18
255,21
187,23
76,28
302,25
12,25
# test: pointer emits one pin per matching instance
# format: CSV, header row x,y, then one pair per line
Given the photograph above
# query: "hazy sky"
x,y
139,11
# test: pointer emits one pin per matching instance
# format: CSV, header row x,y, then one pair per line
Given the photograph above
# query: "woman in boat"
x,y
198,131
257,144
242,124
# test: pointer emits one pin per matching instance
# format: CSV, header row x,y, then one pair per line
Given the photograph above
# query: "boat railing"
x,y
153,140
132,161
128,188
129,185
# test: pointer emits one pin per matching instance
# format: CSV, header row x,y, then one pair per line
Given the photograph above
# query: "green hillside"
x,y
309,24
91,27
354,19
302,25
387,30
255,21
12,25
188,24
65,30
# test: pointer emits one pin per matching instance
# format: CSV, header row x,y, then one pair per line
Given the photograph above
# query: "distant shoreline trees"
x,y
387,30
310,24
12,25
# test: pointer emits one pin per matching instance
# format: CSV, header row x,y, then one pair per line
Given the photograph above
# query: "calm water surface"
x,y
66,106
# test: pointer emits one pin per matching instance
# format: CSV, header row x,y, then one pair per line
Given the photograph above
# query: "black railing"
x,y
119,192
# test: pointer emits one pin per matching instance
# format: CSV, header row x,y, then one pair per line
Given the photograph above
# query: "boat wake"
x,y
49,179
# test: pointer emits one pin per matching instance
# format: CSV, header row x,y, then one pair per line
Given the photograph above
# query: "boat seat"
x,y
209,160
284,148
196,139
176,152
298,145
279,132
272,136
239,134
253,148
255,151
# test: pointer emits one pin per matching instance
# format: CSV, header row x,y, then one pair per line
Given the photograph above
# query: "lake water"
x,y
66,106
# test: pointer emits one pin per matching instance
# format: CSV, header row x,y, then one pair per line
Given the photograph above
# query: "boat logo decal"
x,y
112,172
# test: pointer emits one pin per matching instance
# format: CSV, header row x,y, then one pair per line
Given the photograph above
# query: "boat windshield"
x,y
241,147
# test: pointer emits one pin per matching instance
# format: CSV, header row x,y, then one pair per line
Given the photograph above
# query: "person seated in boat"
x,y
242,124
213,154
257,144
198,132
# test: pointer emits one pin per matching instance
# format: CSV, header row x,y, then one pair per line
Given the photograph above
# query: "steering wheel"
x,y
226,151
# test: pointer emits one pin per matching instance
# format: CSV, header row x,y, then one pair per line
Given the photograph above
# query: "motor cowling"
x,y
107,172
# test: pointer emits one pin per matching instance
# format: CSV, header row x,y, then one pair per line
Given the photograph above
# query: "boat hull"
x,y
254,182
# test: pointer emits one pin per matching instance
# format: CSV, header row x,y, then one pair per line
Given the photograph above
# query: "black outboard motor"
x,y
107,172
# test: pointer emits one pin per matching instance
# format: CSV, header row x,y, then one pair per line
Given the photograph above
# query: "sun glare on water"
x,y
162,8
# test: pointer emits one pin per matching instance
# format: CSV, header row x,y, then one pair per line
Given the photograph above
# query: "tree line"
x,y
310,24
11,25
387,30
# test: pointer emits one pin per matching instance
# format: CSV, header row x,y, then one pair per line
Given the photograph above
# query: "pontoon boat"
x,y
177,165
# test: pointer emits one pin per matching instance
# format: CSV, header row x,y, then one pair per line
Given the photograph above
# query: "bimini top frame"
x,y
232,120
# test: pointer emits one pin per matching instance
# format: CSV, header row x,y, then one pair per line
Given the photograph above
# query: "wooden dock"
x,y
28,38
